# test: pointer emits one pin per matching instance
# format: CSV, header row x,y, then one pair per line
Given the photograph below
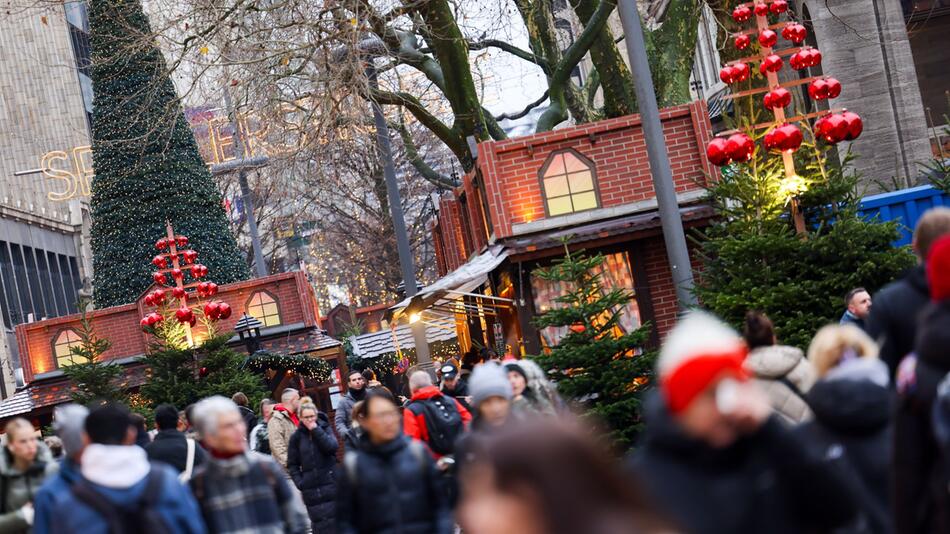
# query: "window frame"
x,y
276,301
593,175
69,344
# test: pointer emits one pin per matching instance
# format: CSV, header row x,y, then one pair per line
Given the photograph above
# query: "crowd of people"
x,y
742,435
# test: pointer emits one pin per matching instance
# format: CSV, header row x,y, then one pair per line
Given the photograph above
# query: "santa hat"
x,y
938,269
698,351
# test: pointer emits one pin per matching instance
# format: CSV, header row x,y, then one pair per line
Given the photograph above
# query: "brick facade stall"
x,y
591,182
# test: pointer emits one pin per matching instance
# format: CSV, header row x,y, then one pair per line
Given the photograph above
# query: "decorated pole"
x,y
832,126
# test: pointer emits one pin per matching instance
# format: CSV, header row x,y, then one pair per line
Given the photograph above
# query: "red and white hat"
x,y
699,351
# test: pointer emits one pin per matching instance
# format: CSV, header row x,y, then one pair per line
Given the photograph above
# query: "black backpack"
x,y
443,422
140,517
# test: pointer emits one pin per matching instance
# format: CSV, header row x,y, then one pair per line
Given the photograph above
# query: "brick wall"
x,y
450,226
120,324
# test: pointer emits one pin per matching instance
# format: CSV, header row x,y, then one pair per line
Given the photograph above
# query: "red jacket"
x,y
414,425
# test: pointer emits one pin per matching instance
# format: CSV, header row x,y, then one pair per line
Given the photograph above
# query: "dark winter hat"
x,y
514,367
938,269
488,381
449,371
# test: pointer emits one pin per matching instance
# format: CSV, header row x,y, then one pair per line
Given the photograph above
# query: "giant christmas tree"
x,y
148,169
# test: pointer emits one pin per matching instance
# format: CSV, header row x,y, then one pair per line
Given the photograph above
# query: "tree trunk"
x,y
620,98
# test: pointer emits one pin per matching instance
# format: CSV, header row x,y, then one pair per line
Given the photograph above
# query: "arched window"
x,y
62,345
569,183
263,307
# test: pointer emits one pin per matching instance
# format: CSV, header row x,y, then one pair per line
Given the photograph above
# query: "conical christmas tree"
x,y
148,169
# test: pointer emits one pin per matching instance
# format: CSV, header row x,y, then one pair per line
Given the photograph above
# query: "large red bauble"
x,y
717,152
742,71
727,74
761,9
189,256
778,7
158,296
777,98
831,128
818,89
184,314
179,292
203,372
149,300
834,87
794,32
160,262
202,289
224,310
159,278
742,41
768,38
143,322
814,57
741,14
740,147
212,289
771,63
855,125
199,271
788,137
181,240
154,318
177,274
212,310
161,244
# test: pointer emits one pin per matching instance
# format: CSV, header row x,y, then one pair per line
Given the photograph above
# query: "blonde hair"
x,y
15,425
830,343
306,406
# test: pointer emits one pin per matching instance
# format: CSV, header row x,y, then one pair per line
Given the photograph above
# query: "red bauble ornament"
x,y
716,152
778,7
149,300
771,63
794,32
143,322
179,292
202,289
854,125
177,274
154,318
181,240
184,314
808,57
742,71
159,278
203,372
189,256
199,271
578,328
768,38
818,89
742,41
160,261
224,310
787,138
740,147
834,88
777,98
833,128
212,289
212,310
161,244
761,9
741,14
727,74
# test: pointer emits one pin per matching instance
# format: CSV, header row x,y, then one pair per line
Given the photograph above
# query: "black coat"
x,y
394,488
894,316
170,447
459,393
770,481
921,482
311,462
250,418
856,415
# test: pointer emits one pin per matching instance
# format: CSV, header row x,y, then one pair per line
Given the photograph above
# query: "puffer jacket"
x,y
20,487
769,366
311,461
853,406
393,488
279,429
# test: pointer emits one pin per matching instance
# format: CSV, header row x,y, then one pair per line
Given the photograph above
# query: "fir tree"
x,y
93,378
596,364
147,164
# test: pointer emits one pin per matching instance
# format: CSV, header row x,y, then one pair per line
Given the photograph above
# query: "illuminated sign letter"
x,y
69,180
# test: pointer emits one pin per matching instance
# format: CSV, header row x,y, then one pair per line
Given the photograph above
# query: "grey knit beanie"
x,y
488,380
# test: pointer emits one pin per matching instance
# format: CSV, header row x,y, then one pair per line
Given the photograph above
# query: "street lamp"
x,y
249,330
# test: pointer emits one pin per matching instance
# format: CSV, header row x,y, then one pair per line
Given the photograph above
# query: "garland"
x,y
305,366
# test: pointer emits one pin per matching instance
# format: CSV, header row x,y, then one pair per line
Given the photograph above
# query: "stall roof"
x,y
19,403
374,345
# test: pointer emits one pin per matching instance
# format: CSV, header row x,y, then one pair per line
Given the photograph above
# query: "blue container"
x,y
904,206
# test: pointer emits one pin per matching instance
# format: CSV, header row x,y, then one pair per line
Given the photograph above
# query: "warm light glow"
x,y
793,186
414,318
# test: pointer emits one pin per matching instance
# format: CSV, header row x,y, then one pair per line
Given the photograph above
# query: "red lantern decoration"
x,y
717,153
742,41
212,289
768,38
794,32
740,147
181,240
778,7
189,256
777,98
161,244
834,88
160,261
741,14
854,125
224,310
212,310
761,9
179,293
184,314
177,274
159,278
771,63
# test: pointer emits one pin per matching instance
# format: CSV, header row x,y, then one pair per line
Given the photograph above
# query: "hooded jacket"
x,y
770,481
769,366
922,502
279,429
414,424
311,462
894,316
344,411
852,406
20,487
54,491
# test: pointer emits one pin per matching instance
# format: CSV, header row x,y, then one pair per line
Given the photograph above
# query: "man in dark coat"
x,y
171,446
894,316
356,391
454,386
311,462
716,459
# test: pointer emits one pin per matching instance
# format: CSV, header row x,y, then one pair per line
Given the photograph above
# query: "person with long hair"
x,y
24,465
311,461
